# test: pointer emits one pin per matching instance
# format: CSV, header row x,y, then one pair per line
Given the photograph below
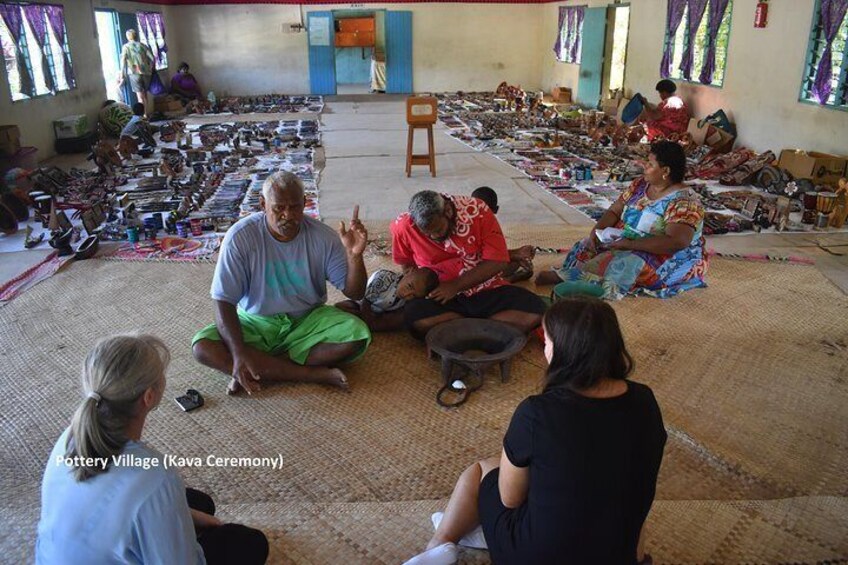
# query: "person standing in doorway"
x,y
137,64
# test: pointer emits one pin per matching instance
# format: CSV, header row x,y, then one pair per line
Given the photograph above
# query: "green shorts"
x,y
296,336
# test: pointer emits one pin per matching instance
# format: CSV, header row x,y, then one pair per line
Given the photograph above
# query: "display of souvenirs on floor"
x,y
195,180
266,104
587,158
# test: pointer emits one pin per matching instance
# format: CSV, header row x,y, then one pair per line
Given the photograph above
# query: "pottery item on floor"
x,y
88,248
61,241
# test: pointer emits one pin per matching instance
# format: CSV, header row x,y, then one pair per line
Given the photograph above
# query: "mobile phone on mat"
x,y
191,400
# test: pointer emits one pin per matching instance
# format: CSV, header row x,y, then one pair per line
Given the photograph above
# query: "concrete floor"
x,y
364,158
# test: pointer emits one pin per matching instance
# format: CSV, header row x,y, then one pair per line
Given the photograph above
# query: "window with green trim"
x,y
31,62
680,42
838,97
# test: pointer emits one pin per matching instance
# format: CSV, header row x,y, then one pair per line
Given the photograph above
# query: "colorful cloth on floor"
x,y
622,272
744,173
476,237
198,250
674,119
32,276
714,166
296,336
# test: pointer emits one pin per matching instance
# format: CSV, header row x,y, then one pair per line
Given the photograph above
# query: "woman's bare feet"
x,y
547,278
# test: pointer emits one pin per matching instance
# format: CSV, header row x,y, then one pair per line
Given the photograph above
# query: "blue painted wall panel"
x,y
351,68
399,52
592,60
322,64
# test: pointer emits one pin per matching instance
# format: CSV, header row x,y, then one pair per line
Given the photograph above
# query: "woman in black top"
x,y
578,471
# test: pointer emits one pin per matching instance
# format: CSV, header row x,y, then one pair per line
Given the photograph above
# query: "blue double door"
x,y
322,52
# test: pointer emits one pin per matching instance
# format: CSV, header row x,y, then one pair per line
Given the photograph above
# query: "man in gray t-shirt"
x,y
270,290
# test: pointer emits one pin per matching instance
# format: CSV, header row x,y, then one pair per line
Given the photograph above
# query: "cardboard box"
x,y
709,135
167,104
71,126
10,140
561,95
818,167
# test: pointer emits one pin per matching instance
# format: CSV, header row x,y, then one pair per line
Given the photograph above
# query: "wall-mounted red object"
x,y
761,15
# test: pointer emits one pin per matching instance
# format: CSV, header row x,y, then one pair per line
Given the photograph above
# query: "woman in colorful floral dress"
x,y
661,249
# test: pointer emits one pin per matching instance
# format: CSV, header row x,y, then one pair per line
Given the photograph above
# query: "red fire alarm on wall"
x,y
761,15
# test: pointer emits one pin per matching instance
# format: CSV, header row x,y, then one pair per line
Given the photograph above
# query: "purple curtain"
x,y
558,44
56,17
149,38
35,16
696,14
673,17
832,13
160,25
716,14
578,34
11,14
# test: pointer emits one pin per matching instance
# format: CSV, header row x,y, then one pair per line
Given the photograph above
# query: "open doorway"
x,y
618,26
360,51
110,51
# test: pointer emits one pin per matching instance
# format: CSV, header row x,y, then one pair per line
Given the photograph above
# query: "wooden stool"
x,y
425,159
421,113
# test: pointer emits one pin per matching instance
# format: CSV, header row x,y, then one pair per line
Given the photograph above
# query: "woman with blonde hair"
x,y
106,497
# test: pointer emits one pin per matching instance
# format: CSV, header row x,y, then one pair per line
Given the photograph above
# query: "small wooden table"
x,y
421,112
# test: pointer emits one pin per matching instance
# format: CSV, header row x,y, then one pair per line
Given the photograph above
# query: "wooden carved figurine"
x,y
106,158
840,211
127,146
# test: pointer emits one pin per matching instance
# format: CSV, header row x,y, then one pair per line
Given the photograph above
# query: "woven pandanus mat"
x,y
794,530
750,374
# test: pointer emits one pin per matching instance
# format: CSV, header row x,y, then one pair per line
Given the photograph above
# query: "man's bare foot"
x,y
547,278
333,377
234,387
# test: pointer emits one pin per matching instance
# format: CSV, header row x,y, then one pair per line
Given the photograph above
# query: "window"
x,y
35,50
151,32
705,26
568,47
819,85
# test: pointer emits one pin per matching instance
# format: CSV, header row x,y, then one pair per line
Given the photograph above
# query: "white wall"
x,y
762,80
241,49
35,117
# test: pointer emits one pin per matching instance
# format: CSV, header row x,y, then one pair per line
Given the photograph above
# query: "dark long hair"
x,y
587,343
670,154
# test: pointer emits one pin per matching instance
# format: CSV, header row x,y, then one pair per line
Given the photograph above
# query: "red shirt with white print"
x,y
476,237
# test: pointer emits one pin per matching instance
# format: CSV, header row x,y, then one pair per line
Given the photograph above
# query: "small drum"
x,y
43,203
809,216
825,202
810,199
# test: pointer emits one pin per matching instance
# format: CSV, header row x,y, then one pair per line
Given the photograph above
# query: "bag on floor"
x,y
720,120
156,86
772,179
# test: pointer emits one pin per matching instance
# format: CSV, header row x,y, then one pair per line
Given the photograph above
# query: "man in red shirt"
x,y
459,238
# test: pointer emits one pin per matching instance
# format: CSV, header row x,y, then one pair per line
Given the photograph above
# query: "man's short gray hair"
x,y
425,206
280,182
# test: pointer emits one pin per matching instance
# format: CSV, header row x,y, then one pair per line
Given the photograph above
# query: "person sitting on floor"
x,y
386,294
670,116
520,260
460,238
107,497
138,128
577,474
270,290
659,248
114,116
184,85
